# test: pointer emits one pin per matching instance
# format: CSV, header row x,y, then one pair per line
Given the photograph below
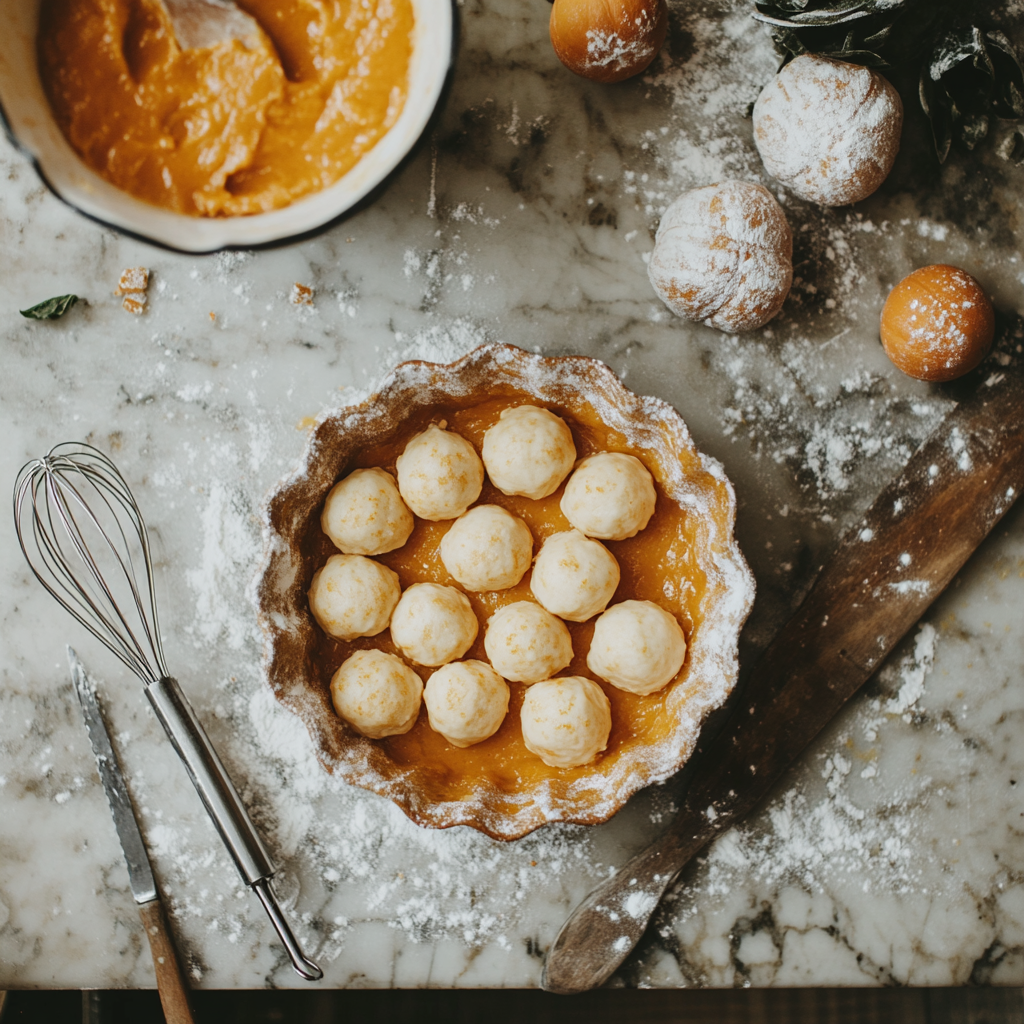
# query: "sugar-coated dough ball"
x,y
529,451
439,474
938,323
637,646
526,644
828,130
610,496
377,694
566,722
466,702
573,576
353,596
364,514
723,256
487,549
433,625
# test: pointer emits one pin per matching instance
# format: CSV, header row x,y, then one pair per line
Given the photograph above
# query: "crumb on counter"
x,y
302,295
132,284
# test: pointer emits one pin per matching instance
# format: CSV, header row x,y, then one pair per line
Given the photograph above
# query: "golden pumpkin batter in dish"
x,y
231,129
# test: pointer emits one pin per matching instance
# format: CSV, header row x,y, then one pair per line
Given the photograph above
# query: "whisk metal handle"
x,y
225,807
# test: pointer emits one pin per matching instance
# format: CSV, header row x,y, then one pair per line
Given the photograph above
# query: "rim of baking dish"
x,y
29,124
287,625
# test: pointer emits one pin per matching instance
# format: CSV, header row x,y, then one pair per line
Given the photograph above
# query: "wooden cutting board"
x,y
886,572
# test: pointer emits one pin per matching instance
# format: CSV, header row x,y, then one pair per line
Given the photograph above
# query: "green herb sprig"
x,y
51,309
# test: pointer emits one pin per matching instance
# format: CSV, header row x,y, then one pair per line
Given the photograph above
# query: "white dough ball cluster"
x,y
828,130
610,496
364,514
566,722
526,644
433,624
439,474
574,577
487,549
529,451
377,694
637,646
466,702
353,596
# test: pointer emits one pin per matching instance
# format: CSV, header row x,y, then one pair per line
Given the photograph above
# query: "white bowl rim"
x,y
237,232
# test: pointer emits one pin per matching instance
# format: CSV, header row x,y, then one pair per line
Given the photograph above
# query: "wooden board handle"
x,y
170,980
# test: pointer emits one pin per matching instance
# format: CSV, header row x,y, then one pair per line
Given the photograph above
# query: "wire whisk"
x,y
85,540
89,545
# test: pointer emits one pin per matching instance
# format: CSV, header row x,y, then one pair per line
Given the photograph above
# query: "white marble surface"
x,y
892,854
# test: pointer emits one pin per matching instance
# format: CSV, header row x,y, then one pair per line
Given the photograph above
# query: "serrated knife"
x,y
170,978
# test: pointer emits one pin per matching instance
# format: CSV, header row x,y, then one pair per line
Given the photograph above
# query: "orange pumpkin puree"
x,y
225,130
659,564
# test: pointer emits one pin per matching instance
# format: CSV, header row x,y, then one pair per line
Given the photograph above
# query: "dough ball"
x,y
439,474
466,702
723,256
574,577
637,646
938,323
526,644
828,130
487,549
377,694
610,496
566,721
364,514
529,451
433,625
353,596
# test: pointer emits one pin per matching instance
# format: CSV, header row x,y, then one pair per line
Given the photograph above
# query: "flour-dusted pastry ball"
x,y
828,130
526,643
364,514
353,596
487,549
377,694
529,451
433,625
573,576
566,722
637,646
610,496
723,256
439,474
466,702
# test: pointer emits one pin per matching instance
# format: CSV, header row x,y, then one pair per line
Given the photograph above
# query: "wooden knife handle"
x,y
170,979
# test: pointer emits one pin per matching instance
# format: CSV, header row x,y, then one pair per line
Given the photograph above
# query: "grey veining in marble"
x,y
892,854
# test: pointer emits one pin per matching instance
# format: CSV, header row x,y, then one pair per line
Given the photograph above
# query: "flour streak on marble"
x,y
892,854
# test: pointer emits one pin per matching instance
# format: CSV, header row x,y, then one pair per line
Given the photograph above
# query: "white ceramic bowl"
x,y
29,122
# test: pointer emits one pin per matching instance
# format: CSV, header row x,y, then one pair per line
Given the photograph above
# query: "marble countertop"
x,y
891,854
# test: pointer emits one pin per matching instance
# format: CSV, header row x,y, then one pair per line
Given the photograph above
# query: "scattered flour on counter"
x,y
351,855
229,546
812,838
439,343
912,670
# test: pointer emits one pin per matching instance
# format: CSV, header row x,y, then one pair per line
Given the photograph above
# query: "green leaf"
x,y
51,309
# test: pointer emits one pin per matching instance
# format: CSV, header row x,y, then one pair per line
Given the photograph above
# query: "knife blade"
x,y
140,874
886,572
170,978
